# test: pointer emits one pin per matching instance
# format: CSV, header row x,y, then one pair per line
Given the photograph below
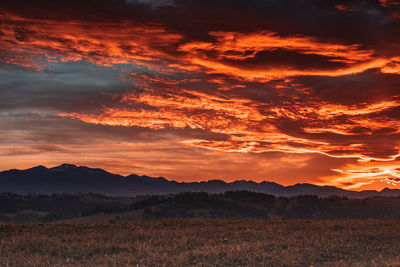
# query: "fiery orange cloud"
x,y
188,109
239,46
345,8
392,67
244,46
367,175
268,74
28,41
250,126
103,44
386,3
326,111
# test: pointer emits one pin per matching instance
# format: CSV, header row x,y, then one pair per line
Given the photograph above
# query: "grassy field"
x,y
202,242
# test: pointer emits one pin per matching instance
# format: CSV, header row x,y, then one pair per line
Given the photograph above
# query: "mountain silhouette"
x,y
68,178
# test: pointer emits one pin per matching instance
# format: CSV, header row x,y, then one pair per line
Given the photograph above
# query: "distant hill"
x,y
68,178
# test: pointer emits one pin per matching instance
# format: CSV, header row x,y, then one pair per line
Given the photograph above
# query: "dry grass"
x,y
203,242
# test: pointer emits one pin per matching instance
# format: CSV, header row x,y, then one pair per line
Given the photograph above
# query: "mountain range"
x,y
68,178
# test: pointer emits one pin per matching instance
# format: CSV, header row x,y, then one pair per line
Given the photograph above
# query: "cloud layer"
x,y
257,81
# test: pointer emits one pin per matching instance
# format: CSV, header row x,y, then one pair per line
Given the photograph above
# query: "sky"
x,y
285,91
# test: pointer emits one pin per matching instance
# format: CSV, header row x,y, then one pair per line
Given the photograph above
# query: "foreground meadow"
x,y
202,242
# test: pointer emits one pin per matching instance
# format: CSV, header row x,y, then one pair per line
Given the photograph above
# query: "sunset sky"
x,y
286,91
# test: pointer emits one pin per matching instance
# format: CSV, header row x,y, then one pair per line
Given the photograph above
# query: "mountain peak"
x,y
38,168
386,189
64,167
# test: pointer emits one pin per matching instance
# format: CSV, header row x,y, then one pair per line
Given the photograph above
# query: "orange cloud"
x,y
273,73
386,3
100,43
251,126
393,66
239,46
326,111
32,42
244,46
345,8
368,175
186,109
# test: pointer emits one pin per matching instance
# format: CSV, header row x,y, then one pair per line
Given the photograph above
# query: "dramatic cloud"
x,y
387,3
313,92
255,126
29,42
249,56
345,8
354,176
